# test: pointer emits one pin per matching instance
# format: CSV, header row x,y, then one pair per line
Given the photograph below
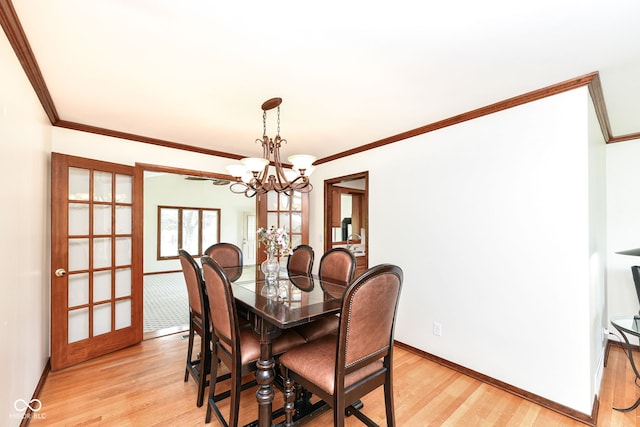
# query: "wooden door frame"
x,y
328,206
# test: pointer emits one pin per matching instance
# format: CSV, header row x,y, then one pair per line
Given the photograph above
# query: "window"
x,y
191,229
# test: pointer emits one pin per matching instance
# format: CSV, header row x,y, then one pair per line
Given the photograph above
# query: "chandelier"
x,y
252,176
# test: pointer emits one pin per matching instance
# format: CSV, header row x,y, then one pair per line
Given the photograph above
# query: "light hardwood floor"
x,y
143,386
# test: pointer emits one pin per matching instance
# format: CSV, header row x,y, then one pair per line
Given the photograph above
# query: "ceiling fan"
x,y
214,181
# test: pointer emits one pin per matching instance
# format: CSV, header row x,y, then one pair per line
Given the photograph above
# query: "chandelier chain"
x,y
278,129
264,123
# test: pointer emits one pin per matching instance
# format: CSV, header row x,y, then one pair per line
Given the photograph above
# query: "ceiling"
x,y
350,73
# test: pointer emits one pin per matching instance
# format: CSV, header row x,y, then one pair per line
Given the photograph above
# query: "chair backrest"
x,y
228,256
337,265
222,307
301,260
368,317
193,279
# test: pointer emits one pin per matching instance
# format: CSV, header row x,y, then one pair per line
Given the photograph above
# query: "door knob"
x,y
61,272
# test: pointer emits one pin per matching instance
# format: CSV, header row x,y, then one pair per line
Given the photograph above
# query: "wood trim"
x,y
18,40
597,97
147,140
181,210
26,419
622,138
181,171
589,420
13,29
470,115
329,207
592,80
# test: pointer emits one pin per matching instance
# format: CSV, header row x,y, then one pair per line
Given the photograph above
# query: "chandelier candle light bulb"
x,y
252,176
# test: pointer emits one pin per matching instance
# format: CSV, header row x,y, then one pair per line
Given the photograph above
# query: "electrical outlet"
x,y
437,329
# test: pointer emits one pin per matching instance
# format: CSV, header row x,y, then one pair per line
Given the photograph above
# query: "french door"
x,y
290,212
96,305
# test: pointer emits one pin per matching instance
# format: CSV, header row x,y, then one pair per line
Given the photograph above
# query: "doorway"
x,y
165,308
346,208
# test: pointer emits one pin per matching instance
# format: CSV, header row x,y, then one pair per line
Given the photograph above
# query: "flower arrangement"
x,y
276,240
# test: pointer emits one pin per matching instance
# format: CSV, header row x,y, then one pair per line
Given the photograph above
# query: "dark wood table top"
x,y
291,300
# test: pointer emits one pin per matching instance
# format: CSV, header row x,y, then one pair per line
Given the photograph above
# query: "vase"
x,y
269,290
270,267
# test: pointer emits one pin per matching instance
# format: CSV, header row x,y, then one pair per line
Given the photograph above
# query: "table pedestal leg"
x,y
265,373
264,395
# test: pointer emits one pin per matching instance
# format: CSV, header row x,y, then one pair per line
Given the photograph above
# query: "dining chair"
x,y
342,369
338,266
198,367
228,256
301,260
237,348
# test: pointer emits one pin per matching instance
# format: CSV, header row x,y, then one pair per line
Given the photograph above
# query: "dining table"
x,y
277,304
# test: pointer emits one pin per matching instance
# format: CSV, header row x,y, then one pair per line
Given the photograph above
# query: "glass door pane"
x,y
95,250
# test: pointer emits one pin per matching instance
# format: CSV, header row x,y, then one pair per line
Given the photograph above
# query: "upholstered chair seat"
x,y
238,348
342,368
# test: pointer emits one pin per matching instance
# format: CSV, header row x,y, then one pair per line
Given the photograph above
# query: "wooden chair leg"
x,y
205,363
236,387
338,412
189,353
211,402
388,403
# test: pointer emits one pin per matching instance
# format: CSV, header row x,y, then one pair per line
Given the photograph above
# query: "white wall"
x,y
623,218
496,243
597,248
25,141
489,220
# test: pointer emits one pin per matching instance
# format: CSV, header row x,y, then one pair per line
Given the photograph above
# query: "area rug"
x,y
166,304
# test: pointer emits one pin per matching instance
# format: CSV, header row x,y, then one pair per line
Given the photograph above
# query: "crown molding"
x,y
18,40
147,140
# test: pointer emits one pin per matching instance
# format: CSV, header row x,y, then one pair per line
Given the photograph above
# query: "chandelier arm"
x,y
262,176
261,181
300,183
280,175
239,188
